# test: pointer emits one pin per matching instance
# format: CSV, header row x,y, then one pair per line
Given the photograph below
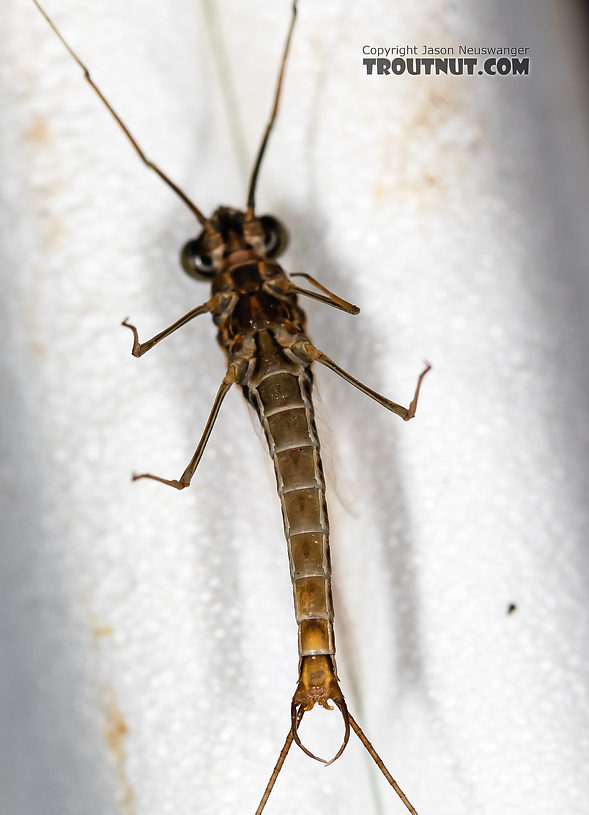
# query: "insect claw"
x,y
344,711
296,714
297,711
178,485
413,406
136,350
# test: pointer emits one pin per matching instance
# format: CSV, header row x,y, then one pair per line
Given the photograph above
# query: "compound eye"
x,y
195,262
275,236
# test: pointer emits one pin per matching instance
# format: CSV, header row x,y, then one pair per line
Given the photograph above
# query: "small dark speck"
x,y
511,608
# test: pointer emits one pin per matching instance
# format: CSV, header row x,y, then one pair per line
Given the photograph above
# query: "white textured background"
x,y
148,642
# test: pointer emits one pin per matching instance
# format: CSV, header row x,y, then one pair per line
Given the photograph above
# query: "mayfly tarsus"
x,y
262,331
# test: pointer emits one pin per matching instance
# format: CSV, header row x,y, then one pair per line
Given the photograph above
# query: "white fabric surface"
x,y
149,647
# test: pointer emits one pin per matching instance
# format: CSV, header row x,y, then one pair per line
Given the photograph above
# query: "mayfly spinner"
x,y
261,329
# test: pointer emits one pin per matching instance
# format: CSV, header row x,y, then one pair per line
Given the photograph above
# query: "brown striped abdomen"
x,y
280,391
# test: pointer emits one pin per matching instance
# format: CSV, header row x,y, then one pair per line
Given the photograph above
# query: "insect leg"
x,y
148,163
331,299
307,351
140,348
251,196
234,374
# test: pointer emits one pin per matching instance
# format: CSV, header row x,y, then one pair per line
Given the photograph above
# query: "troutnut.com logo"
x,y
396,60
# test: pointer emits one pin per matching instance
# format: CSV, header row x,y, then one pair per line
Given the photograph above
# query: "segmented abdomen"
x,y
280,391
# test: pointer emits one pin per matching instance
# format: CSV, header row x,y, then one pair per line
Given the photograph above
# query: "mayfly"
x,y
262,331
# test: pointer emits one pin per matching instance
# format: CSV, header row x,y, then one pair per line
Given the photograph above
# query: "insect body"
x,y
262,331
